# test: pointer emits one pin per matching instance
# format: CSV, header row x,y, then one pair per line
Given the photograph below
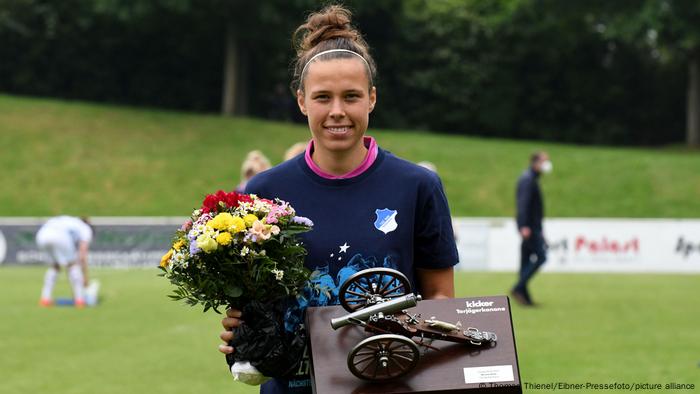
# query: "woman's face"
x,y
337,102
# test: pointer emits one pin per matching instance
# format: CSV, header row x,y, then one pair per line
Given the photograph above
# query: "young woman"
x,y
369,208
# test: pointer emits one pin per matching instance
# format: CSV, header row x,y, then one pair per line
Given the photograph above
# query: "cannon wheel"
x,y
368,285
383,357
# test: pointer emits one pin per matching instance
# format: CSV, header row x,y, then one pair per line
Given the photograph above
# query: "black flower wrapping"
x,y
263,341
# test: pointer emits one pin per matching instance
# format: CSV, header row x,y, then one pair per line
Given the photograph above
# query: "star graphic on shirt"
x,y
344,248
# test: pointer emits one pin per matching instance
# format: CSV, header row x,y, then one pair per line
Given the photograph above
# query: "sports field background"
x,y
99,160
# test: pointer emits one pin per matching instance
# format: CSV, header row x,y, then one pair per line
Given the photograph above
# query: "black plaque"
x,y
454,368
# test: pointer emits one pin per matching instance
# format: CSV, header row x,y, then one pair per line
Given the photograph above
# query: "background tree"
x,y
534,69
669,30
575,71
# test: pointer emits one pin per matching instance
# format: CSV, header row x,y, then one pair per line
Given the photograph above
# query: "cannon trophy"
x,y
378,299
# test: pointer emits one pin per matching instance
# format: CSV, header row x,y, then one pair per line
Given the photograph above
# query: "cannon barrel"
x,y
386,307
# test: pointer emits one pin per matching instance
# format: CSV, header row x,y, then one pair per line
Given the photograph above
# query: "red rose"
x,y
244,198
212,201
231,199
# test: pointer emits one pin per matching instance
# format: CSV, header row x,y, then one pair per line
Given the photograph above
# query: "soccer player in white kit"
x,y
66,239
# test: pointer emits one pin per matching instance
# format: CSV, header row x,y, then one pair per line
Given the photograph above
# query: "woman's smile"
x,y
338,129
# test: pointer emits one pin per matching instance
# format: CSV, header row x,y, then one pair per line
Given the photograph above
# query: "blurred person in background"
x,y
295,150
530,211
255,163
66,239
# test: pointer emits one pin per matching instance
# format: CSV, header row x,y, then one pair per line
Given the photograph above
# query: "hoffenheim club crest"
x,y
386,220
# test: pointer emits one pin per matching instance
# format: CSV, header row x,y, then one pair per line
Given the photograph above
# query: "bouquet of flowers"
x,y
242,251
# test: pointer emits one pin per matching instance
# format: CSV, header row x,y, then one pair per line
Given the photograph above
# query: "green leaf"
x,y
234,291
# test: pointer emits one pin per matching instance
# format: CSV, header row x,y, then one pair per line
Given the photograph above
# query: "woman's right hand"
x,y
231,321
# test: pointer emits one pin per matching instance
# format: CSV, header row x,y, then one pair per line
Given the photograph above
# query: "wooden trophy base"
x,y
454,368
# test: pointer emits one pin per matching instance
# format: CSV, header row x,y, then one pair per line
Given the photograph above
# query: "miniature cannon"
x,y
389,307
377,299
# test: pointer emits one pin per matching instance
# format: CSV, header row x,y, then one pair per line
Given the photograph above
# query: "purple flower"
x,y
303,221
249,238
193,248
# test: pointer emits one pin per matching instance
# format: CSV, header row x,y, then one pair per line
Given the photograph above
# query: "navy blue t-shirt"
x,y
394,215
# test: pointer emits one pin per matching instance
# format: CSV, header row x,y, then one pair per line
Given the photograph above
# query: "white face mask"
x,y
546,167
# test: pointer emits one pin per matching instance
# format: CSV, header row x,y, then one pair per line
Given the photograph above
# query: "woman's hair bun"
x,y
327,24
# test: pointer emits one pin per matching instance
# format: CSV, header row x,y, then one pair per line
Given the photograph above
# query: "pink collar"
x,y
370,144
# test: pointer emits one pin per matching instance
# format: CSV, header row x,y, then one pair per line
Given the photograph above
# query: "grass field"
x,y
590,328
101,160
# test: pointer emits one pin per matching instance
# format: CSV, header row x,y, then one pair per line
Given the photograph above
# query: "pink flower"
x,y
263,232
277,211
259,231
186,226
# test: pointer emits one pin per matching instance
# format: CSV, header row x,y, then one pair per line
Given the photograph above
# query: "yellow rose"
x,y
207,243
179,244
249,219
224,239
221,222
166,258
237,225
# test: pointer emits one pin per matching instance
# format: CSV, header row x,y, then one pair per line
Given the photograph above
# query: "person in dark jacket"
x,y
530,211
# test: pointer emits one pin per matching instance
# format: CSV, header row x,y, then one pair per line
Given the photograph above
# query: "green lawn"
x,y
590,328
101,160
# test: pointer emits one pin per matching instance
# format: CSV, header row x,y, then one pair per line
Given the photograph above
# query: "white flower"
x,y
209,232
279,274
243,371
245,250
178,258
